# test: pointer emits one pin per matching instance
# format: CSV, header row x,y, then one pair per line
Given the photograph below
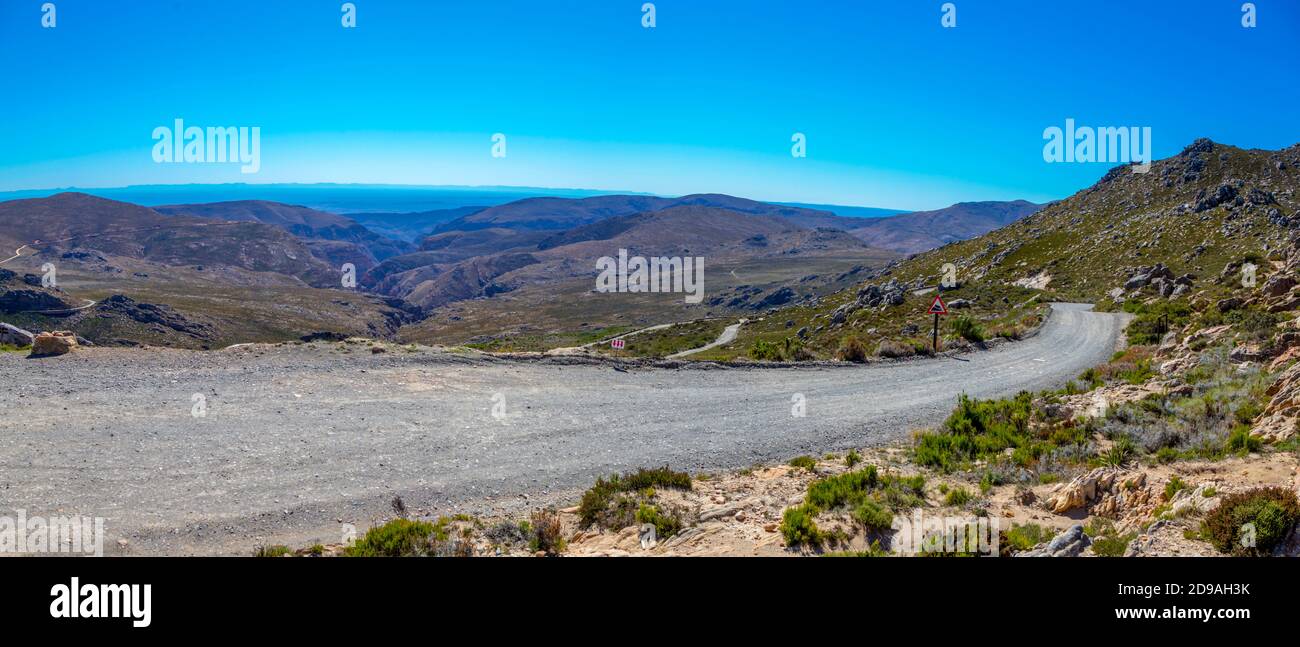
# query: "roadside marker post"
x,y
938,307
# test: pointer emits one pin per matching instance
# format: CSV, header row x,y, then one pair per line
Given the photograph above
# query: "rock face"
x,y
1280,418
15,336
30,300
48,344
1069,543
1081,490
149,313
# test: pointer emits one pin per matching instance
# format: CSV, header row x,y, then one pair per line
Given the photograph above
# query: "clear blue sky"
x,y
899,112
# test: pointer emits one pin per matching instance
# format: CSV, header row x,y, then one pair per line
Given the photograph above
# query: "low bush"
x,y
547,532
894,349
397,538
1252,522
967,329
612,503
958,496
666,524
852,458
276,550
851,350
798,526
1024,537
805,462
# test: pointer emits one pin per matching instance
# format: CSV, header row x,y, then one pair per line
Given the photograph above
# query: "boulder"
x,y
48,344
1070,543
1081,490
15,336
1278,285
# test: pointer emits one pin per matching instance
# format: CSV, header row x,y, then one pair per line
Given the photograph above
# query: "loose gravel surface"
x,y
298,441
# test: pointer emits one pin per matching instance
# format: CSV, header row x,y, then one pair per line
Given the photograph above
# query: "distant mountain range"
x,y
922,230
527,255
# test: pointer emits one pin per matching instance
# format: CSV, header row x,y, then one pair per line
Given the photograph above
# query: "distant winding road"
x,y
299,440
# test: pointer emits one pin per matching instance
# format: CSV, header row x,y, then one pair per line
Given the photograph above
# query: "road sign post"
x,y
937,307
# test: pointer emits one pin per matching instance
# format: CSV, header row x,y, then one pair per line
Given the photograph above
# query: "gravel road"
x,y
298,441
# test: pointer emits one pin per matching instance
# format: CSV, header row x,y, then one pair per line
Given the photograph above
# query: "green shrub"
x,y
1112,545
977,429
765,350
1241,442
397,538
799,528
852,458
608,503
666,524
1173,487
806,462
1154,320
873,516
1270,512
835,491
957,496
276,550
1121,451
1024,537
967,329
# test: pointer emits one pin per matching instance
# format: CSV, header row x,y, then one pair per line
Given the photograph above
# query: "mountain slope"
x,y
80,221
305,223
922,230
1193,221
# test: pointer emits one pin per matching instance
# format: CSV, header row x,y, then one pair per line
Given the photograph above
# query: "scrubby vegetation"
x,y
869,498
1024,537
804,462
276,550
966,328
1106,540
397,538
1252,522
616,502
851,350
546,533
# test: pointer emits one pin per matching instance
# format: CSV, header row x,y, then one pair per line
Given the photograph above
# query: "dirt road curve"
x,y
297,438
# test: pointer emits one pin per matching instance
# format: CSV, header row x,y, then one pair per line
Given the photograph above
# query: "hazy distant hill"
x,y
541,268
410,227
80,221
921,230
308,224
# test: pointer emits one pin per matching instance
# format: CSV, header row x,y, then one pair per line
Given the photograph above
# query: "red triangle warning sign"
x,y
938,307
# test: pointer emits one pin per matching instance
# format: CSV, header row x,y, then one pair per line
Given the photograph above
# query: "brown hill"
x,y
76,221
923,230
305,223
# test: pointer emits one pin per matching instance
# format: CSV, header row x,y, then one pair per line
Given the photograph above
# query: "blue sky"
x,y
898,111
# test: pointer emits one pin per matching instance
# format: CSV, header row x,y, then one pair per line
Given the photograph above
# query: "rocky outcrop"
x,y
49,344
1081,490
15,336
30,301
1282,415
154,314
1070,543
